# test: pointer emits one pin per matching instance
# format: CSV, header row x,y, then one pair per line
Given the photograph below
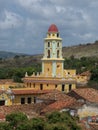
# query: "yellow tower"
x,y
52,61
53,75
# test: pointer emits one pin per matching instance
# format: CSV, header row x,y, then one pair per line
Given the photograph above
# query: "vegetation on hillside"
x,y
83,57
81,50
16,73
81,65
52,121
84,64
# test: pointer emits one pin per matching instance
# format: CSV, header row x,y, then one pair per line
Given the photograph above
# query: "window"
x,y
63,87
30,85
34,85
48,44
49,34
48,54
34,99
58,66
2,102
53,34
70,87
22,100
29,100
41,86
57,34
48,69
56,86
57,53
58,44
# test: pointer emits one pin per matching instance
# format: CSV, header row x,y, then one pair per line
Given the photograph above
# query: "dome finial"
x,y
53,28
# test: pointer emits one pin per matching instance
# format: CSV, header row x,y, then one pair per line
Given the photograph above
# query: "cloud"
x,y
10,20
24,23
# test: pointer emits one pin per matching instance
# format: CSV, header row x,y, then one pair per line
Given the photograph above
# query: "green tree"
x,y
62,121
16,118
24,126
54,117
5,126
37,124
94,76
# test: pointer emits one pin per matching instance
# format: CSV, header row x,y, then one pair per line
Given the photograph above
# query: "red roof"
x,y
28,91
88,94
2,116
53,28
58,105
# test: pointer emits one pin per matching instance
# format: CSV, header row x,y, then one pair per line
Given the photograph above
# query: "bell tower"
x,y
52,61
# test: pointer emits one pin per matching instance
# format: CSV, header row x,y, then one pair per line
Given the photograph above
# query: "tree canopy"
x,y
52,121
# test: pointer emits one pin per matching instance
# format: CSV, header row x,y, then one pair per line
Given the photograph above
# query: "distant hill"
x,y
21,60
82,50
4,54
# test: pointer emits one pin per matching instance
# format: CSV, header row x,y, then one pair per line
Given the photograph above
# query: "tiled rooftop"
x,y
89,94
55,95
29,91
31,110
58,105
93,126
1,91
5,81
86,73
61,100
2,117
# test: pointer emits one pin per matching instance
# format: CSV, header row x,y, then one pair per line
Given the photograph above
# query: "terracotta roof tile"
x,y
61,100
93,126
58,105
86,73
88,94
1,91
55,95
2,116
31,110
4,81
29,91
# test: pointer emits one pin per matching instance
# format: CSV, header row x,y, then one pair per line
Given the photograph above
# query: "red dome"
x,y
53,28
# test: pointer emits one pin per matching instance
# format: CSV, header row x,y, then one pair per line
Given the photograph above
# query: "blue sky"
x,y
24,23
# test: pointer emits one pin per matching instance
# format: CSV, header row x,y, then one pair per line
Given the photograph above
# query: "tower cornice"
x,y
52,59
55,38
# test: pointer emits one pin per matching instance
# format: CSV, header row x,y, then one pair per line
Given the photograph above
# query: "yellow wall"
x,y
59,70
6,98
50,86
80,78
87,110
69,73
7,85
17,99
48,69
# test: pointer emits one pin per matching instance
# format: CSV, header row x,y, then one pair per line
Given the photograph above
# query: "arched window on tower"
x,y
48,54
57,34
58,44
48,44
58,54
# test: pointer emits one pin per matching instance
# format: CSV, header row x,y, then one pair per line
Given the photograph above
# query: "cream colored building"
x,y
52,77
